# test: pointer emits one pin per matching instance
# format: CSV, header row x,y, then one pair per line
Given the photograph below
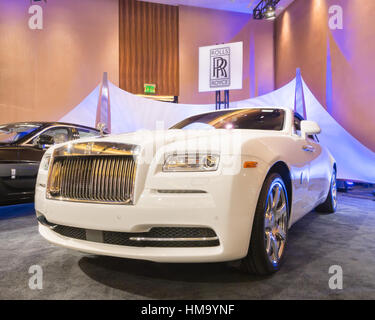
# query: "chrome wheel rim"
x,y
334,189
276,222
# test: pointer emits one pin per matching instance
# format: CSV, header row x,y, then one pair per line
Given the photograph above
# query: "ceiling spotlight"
x,y
270,13
266,9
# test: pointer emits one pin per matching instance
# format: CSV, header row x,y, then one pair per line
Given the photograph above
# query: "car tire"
x,y
269,234
330,204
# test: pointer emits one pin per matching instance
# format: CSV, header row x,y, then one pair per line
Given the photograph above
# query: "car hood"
x,y
143,137
151,142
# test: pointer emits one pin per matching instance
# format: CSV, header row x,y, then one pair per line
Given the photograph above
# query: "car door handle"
x,y
308,148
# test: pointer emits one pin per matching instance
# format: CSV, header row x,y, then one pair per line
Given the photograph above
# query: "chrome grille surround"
x,y
96,172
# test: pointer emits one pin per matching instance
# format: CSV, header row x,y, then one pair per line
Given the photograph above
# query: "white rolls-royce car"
x,y
219,186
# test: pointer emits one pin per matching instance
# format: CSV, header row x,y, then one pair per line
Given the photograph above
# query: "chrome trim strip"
x,y
173,239
127,202
177,191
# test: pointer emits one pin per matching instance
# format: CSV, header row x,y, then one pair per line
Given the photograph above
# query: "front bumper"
x,y
209,254
227,207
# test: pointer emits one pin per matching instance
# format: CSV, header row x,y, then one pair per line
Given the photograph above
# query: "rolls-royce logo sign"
x,y
220,67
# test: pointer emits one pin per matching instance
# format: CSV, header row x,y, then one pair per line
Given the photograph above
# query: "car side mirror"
x,y
309,128
45,141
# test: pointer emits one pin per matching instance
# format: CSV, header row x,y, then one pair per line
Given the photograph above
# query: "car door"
x,y
8,167
30,155
318,171
306,154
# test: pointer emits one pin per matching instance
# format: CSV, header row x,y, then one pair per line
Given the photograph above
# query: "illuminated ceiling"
x,y
244,6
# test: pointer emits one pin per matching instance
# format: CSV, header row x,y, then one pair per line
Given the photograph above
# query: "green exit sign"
x,y
150,88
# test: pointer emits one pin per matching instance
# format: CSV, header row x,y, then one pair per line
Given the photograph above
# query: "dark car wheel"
x,y
270,229
330,205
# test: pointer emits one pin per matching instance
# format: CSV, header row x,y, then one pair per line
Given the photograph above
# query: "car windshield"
x,y
254,119
10,133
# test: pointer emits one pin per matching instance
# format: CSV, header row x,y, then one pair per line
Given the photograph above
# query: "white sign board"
x,y
221,67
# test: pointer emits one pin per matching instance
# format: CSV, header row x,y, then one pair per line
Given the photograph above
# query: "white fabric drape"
x,y
130,113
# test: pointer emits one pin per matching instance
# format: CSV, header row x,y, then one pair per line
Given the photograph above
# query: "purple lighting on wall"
x,y
329,80
252,84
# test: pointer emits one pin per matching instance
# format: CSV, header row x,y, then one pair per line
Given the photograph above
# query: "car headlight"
x,y
190,162
44,165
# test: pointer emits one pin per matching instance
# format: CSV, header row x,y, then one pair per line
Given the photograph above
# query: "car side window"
x,y
59,135
87,133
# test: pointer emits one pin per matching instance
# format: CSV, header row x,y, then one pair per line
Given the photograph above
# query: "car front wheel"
x,y
270,228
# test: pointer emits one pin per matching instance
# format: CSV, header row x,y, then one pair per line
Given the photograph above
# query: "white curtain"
x,y
130,113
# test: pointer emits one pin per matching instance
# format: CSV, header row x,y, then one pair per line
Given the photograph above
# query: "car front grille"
x,y
71,232
93,178
171,237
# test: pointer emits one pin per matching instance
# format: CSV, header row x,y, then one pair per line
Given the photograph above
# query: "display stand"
x,y
219,102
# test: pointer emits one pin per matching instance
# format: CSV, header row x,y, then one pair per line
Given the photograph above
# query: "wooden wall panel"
x,y
149,47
